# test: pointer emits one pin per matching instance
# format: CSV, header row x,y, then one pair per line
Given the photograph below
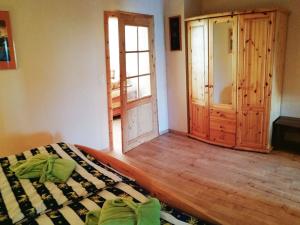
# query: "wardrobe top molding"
x,y
237,12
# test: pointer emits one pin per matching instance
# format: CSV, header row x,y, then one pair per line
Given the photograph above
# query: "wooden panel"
x,y
198,78
132,120
140,123
145,118
252,124
199,125
254,81
255,48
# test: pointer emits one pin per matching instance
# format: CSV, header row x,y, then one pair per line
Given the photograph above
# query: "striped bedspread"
x,y
26,201
27,198
75,213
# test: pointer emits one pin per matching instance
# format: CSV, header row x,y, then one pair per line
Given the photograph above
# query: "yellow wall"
x,y
58,91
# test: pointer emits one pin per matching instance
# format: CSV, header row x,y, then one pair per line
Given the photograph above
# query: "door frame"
x,y
117,14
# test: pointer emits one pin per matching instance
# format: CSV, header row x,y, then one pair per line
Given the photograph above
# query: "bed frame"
x,y
156,188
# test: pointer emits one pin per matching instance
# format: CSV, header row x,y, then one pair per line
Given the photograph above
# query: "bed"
x,y
26,201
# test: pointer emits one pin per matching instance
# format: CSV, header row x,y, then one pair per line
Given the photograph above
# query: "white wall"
x,y
58,92
176,78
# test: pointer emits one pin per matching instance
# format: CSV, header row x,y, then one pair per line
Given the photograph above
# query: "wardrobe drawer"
x,y
222,114
223,125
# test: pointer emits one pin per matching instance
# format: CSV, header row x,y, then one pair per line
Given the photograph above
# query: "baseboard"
x,y
181,133
164,132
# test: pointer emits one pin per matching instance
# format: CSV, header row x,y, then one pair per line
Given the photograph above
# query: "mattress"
x,y
26,201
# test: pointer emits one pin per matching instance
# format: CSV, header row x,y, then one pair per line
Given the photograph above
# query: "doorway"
x,y
131,81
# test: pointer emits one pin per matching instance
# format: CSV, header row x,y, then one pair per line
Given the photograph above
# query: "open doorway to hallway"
x,y
114,80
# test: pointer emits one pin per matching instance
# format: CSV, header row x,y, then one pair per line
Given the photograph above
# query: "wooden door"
x,y
256,35
198,78
222,79
138,83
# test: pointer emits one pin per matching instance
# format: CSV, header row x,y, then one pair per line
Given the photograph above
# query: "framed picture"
x,y
175,33
7,54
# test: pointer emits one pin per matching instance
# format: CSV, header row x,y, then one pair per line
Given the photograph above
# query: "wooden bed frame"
x,y
156,188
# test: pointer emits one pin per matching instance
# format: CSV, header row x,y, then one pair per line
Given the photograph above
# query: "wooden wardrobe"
x,y
235,71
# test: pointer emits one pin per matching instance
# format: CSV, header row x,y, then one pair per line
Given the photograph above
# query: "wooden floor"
x,y
235,187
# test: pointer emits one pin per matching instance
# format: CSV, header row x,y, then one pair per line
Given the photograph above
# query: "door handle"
x,y
208,86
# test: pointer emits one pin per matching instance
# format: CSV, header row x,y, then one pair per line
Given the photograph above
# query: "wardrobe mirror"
x,y
222,62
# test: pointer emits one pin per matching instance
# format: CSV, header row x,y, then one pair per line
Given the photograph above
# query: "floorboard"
x,y
236,187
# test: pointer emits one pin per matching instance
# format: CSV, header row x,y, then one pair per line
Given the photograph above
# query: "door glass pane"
x,y
144,63
131,64
132,89
130,38
143,38
198,63
222,63
144,86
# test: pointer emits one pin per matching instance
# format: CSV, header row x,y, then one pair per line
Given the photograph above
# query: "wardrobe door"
x,y
222,79
256,34
198,78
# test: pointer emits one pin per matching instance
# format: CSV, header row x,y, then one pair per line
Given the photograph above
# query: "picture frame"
x,y
175,33
7,53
